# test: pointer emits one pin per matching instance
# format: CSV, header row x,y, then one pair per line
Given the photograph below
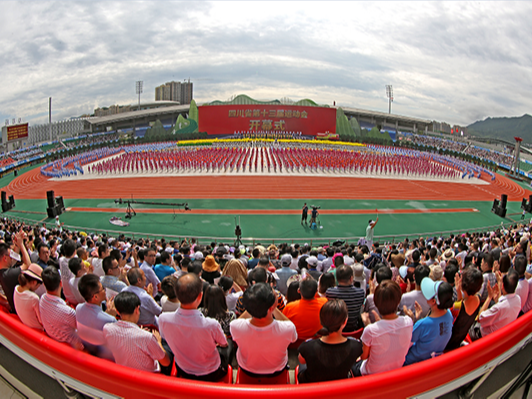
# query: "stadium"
x,y
239,173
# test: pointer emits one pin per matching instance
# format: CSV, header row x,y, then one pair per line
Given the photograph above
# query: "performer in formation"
x,y
266,157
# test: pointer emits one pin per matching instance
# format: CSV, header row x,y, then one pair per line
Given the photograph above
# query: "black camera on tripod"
x,y
315,208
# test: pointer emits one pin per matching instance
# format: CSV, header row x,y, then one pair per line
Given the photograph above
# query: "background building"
x,y
181,92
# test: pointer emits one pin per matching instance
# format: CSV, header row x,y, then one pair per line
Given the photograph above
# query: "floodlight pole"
x,y
50,118
138,90
389,94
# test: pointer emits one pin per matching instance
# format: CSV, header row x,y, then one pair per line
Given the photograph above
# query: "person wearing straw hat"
x,y
211,269
26,300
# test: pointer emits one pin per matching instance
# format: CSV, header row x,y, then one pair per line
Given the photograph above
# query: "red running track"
x,y
32,185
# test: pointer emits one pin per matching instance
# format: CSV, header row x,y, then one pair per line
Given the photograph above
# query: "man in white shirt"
x,y
69,251
410,298
262,322
149,310
97,263
131,345
522,285
193,338
90,318
147,266
58,319
505,310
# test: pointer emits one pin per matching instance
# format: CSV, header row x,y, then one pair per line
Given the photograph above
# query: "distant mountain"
x,y
504,128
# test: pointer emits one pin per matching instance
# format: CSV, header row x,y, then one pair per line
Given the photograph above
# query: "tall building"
x,y
175,91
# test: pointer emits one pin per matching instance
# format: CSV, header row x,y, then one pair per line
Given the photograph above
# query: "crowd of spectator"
x,y
437,142
492,155
464,147
90,140
406,302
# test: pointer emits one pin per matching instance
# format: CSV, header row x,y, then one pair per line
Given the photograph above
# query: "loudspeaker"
x,y
15,173
495,205
4,196
60,204
5,207
11,202
523,204
52,212
50,197
504,199
501,212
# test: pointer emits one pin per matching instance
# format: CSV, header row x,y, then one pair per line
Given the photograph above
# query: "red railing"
x,y
129,383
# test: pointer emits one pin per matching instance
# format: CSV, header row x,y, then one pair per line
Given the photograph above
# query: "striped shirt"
x,y
59,320
353,298
133,346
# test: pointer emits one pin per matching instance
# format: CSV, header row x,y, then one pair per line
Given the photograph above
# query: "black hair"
x,y
75,265
68,248
326,281
292,293
504,263
488,258
472,280
308,288
264,261
520,265
165,256
225,282
383,273
333,314
344,273
168,286
387,297
214,302
126,302
257,275
420,273
445,295
107,264
509,281
88,286
258,299
116,254
188,287
51,278
195,267
450,272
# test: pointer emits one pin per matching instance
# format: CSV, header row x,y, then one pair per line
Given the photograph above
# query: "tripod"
x,y
130,212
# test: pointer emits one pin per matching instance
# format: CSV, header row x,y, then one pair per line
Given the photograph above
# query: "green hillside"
x,y
504,128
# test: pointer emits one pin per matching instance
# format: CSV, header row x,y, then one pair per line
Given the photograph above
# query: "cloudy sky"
x,y
453,61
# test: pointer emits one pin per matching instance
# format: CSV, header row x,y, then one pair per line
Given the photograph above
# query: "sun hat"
x,y
34,271
398,260
448,254
210,265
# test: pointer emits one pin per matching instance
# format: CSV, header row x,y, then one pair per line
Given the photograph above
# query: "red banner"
x,y
227,119
17,132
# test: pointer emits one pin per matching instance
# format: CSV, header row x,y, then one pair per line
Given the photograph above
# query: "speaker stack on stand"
x,y
7,205
527,206
500,208
56,205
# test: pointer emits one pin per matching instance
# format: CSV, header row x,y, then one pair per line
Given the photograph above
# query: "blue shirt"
x,y
162,271
430,335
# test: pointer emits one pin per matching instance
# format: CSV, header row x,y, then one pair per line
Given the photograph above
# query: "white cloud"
x,y
452,61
